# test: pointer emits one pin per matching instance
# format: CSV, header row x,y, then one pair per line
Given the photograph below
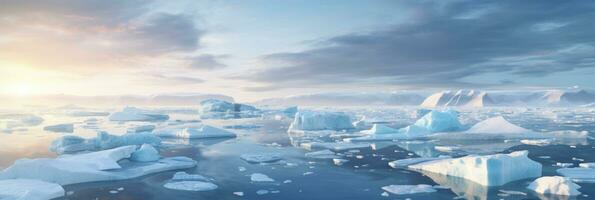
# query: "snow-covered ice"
x,y
258,177
104,140
320,120
408,189
261,157
146,153
136,114
191,186
489,170
380,129
556,185
183,176
61,128
90,167
29,189
322,154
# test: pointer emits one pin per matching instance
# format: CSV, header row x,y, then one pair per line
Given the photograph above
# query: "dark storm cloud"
x,y
445,42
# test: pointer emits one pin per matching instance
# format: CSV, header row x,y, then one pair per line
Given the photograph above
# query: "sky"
x,y
259,49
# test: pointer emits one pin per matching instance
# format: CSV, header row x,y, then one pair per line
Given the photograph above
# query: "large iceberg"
x,y
319,120
104,140
432,122
91,167
215,108
467,98
193,132
489,170
29,189
556,185
135,114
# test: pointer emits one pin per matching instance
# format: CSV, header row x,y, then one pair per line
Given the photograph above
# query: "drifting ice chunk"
x,y
91,167
258,177
412,161
408,189
556,185
339,161
490,170
315,121
135,114
191,186
324,154
539,142
579,175
216,105
261,158
146,153
183,176
29,189
194,132
439,121
587,165
104,140
62,128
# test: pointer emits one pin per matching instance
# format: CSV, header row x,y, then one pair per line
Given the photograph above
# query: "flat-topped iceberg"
x,y
29,189
556,185
439,121
195,131
136,114
489,170
319,120
61,128
104,140
90,167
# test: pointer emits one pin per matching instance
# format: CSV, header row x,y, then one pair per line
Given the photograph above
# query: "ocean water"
x,y
299,177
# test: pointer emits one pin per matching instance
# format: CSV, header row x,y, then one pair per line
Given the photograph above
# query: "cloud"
x,y
207,62
176,79
443,43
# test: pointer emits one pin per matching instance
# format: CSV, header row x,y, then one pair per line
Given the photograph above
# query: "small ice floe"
x,y
307,173
104,140
323,154
537,142
241,169
196,131
261,157
579,174
408,189
238,194
143,128
262,192
146,153
555,185
287,181
587,165
339,161
320,120
29,189
482,170
258,177
191,186
511,192
243,126
189,182
60,128
91,167
403,163
135,114
564,165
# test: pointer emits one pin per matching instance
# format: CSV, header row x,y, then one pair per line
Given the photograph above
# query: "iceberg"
x,y
146,153
555,185
183,176
135,114
578,174
189,182
408,189
91,167
219,108
380,129
29,189
497,125
323,154
319,120
290,111
104,140
489,170
439,121
467,98
194,132
62,128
